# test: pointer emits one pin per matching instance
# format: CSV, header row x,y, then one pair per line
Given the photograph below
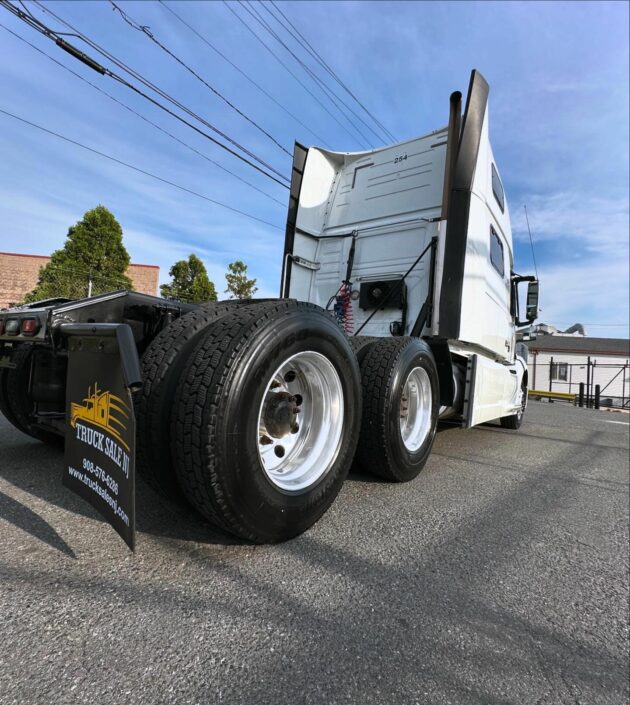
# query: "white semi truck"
x,y
399,307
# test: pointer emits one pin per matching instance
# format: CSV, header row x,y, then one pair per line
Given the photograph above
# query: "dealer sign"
x,y
100,435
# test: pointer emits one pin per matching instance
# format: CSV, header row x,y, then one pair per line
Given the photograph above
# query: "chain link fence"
x,y
595,384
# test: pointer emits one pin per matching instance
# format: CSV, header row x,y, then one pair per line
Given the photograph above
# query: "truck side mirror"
x,y
531,303
531,308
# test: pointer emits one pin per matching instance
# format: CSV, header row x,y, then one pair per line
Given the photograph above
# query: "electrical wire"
x,y
253,12
531,242
138,169
152,86
332,97
71,49
142,117
286,68
315,54
280,20
245,75
146,31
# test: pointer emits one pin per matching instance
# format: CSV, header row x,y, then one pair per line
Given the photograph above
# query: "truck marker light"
x,y
12,326
30,326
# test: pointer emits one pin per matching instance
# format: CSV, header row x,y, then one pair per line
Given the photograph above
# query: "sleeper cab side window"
x,y
497,189
496,252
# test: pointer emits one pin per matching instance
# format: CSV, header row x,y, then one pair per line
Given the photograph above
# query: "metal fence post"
x,y
588,382
535,358
581,395
550,376
597,396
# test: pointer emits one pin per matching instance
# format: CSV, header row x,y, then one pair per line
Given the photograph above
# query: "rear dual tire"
x,y
400,392
253,413
15,403
225,407
218,423
162,364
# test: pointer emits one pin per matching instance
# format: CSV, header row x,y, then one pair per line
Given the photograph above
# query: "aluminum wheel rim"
x,y
416,405
297,448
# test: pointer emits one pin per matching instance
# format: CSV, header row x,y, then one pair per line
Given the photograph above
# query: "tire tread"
x,y
197,405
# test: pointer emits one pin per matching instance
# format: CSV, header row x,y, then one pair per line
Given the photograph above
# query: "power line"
x,y
89,61
139,170
146,30
531,242
253,12
283,22
152,86
237,68
332,97
323,63
286,68
142,117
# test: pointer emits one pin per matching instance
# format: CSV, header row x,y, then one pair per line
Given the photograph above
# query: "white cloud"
x,y
598,225
592,292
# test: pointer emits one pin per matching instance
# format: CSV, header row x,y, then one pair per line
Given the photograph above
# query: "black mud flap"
x,y
103,371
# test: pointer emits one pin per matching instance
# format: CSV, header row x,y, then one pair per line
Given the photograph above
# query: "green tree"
x,y
93,260
189,282
238,285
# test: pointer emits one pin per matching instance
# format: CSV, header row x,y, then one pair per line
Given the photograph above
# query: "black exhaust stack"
x,y
452,146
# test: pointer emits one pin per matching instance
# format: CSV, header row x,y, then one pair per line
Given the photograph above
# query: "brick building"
x,y
18,276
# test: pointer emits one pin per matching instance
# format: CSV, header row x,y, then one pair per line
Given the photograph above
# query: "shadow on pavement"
x,y
26,519
39,473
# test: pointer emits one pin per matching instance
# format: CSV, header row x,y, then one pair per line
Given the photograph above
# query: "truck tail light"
x,y
1,326
30,326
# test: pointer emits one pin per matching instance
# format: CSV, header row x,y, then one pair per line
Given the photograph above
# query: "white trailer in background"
x,y
399,305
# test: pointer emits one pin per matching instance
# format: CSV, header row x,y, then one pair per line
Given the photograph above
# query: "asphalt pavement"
x,y
500,575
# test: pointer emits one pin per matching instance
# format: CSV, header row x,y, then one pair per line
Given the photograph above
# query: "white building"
x,y
560,362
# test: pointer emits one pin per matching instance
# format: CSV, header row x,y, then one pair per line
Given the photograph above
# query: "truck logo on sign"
x,y
103,409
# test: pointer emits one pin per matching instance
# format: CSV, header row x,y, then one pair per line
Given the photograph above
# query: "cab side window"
x,y
497,189
496,252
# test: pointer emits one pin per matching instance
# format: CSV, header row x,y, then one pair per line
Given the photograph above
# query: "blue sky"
x,y
558,74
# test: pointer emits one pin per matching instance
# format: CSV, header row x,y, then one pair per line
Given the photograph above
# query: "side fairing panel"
x,y
492,389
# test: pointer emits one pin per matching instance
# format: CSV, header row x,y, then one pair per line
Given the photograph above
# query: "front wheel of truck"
x,y
266,420
515,421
